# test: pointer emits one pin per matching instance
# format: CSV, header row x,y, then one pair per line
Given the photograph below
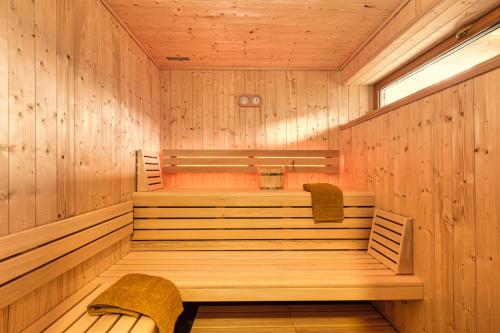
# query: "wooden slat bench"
x,y
246,220
260,246
71,316
32,258
302,161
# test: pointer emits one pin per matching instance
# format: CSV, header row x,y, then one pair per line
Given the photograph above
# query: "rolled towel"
x,y
327,202
140,294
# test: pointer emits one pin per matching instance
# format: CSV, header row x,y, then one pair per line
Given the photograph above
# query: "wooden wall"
x,y
77,98
300,110
415,27
437,160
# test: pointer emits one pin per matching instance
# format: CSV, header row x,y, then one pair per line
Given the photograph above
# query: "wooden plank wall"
x,y
300,110
437,160
416,26
77,98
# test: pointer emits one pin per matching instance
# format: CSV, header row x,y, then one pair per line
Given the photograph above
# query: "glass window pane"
x,y
477,50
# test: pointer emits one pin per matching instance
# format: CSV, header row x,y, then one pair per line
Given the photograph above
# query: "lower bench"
x,y
221,276
71,316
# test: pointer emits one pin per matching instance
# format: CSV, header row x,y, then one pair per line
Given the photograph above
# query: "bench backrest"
x,y
259,220
246,161
31,258
149,175
391,241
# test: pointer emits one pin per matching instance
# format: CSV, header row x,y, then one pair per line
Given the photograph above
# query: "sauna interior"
x,y
173,138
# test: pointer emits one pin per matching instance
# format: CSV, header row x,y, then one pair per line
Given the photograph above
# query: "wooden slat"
x,y
278,278
383,259
388,225
123,324
387,233
154,180
254,153
25,262
75,313
239,266
154,173
241,212
144,325
243,255
32,280
240,198
249,161
25,240
151,160
150,154
57,312
155,187
384,251
386,242
103,324
330,261
292,223
83,324
250,234
152,167
256,245
302,294
245,169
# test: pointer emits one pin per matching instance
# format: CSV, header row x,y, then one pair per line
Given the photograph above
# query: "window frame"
x,y
461,36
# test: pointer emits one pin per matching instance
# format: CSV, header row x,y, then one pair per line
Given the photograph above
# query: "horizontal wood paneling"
x,y
77,98
300,110
436,159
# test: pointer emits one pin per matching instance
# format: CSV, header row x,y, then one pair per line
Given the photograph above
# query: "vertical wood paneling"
x,y
300,110
78,97
229,109
4,120
207,110
487,161
22,120
65,109
464,208
281,85
443,211
46,111
260,121
165,118
197,110
291,110
443,157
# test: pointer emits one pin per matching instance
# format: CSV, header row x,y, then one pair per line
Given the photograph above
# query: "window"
x,y
475,50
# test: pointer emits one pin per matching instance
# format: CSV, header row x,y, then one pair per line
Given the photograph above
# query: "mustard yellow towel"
x,y
327,202
140,294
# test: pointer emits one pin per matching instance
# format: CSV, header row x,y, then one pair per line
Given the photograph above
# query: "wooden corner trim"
x,y
128,31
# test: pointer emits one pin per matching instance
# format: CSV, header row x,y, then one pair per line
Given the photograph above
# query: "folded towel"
x,y
327,202
140,294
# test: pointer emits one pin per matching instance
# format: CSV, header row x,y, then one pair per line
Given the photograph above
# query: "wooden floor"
x,y
335,318
271,275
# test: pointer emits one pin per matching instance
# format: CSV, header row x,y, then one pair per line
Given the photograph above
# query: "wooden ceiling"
x,y
299,34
